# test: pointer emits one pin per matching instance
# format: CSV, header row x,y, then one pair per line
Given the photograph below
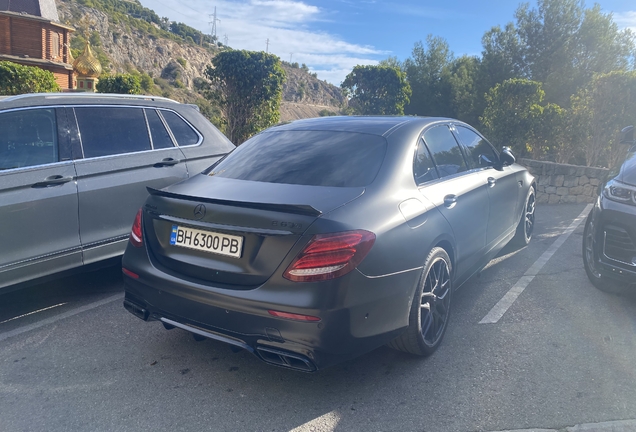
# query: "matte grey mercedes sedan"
x,y
316,241
74,170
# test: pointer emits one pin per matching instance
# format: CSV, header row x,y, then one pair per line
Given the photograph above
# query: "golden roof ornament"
x,y
86,64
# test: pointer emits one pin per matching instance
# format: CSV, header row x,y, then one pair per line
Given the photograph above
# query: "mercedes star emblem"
x,y
199,211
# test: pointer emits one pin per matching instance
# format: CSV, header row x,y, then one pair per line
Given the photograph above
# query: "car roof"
x,y
375,125
50,99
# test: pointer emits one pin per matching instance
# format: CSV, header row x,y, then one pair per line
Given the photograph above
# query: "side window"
x,y
479,151
183,133
423,167
445,151
28,138
160,136
112,130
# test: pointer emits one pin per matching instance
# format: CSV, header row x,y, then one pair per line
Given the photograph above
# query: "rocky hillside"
x,y
176,65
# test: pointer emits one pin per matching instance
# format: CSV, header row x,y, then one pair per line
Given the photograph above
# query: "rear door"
x,y
201,147
124,150
39,228
458,193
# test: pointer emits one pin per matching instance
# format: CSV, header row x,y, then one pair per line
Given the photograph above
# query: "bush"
x,y
182,62
172,71
121,83
163,84
17,79
326,113
147,84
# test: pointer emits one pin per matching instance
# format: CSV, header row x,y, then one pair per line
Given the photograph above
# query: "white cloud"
x,y
288,24
626,20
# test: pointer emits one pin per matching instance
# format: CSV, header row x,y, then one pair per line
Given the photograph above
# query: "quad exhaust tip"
x,y
285,359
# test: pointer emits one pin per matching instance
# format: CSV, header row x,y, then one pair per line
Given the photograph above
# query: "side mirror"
x,y
627,135
506,157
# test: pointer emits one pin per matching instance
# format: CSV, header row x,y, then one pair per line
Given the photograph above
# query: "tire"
x,y
590,253
430,309
525,229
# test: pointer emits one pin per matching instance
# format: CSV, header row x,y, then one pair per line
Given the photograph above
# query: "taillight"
x,y
136,237
328,256
129,273
293,316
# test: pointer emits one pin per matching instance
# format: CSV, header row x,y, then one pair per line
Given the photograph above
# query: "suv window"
x,y
445,151
424,168
183,133
315,158
112,130
160,136
28,138
476,147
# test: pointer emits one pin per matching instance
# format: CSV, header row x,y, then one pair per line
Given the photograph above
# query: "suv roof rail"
x,y
87,95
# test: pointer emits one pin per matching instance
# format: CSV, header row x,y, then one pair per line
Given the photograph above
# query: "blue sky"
x,y
332,36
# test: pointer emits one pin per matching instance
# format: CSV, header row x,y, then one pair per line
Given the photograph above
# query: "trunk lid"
x,y
269,218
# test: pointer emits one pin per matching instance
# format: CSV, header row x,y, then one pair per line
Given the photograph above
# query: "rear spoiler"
x,y
301,209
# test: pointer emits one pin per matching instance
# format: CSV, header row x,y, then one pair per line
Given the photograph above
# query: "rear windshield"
x,y
313,158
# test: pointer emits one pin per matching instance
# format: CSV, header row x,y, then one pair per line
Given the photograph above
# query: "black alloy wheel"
x,y
435,302
430,309
525,229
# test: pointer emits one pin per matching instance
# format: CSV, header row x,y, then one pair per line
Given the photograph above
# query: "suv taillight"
x,y
136,236
328,256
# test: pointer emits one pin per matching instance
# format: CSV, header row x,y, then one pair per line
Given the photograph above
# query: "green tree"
x,y
462,77
391,61
563,45
601,109
547,34
248,88
377,90
17,79
600,48
501,59
120,83
510,114
424,70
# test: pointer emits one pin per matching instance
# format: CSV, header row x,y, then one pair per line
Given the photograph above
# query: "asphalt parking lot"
x,y
555,353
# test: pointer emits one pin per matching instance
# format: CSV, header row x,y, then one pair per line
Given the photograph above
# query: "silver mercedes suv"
x,y
74,170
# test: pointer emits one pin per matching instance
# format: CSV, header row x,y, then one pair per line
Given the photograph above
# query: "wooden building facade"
x,y
31,35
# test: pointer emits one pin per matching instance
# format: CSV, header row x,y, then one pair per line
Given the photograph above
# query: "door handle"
x,y
492,181
52,181
166,162
450,201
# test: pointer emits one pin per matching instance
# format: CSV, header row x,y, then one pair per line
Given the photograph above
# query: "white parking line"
x,y
610,426
509,298
32,313
61,316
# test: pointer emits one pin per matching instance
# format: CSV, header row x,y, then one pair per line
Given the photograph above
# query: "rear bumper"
x,y
357,313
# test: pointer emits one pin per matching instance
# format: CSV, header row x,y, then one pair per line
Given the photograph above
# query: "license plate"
x,y
206,241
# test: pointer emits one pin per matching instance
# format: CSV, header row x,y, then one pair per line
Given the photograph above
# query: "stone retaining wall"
x,y
561,183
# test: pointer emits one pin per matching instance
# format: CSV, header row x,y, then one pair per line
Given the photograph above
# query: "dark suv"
x,y
74,170
609,240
